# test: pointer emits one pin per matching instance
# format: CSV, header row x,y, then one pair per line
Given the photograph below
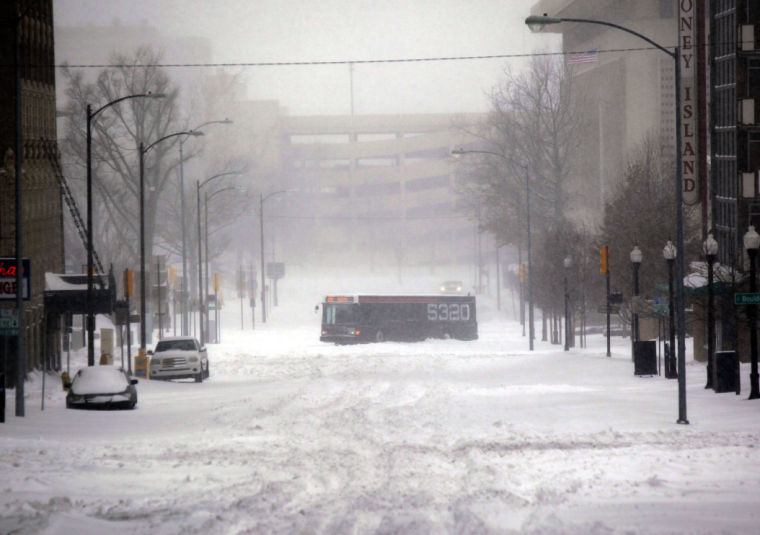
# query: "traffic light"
x,y
604,259
522,273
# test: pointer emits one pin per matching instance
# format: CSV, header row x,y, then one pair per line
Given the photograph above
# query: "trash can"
x,y
645,358
726,371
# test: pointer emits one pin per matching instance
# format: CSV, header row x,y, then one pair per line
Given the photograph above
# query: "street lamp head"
x,y
150,94
536,23
669,251
710,246
456,153
636,255
751,239
195,133
568,261
226,121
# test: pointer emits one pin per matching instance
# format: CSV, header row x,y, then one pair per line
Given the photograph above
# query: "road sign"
x,y
602,309
275,270
9,322
747,299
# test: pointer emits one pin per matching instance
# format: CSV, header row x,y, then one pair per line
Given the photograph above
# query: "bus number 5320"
x,y
448,312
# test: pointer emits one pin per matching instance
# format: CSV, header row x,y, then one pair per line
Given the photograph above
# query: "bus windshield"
x,y
339,314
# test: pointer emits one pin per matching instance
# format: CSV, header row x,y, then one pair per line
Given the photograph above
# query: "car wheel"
x,y
199,377
208,371
379,336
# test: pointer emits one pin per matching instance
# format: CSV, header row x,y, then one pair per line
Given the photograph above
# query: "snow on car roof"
x,y
99,380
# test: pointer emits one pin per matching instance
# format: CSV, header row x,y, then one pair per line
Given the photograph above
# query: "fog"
x,y
385,206
241,31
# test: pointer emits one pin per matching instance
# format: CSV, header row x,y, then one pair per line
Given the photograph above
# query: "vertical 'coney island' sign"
x,y
688,58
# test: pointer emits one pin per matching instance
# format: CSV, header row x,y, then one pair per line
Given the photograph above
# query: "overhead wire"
x,y
348,61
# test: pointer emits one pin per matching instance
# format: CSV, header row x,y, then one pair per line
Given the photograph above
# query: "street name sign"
x,y
747,299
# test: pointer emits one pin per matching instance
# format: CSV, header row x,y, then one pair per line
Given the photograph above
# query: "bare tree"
x,y
532,125
116,137
642,213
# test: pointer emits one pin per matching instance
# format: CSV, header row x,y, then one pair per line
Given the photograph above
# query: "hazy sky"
x,y
247,31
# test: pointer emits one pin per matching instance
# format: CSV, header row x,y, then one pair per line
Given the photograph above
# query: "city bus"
x,y
350,319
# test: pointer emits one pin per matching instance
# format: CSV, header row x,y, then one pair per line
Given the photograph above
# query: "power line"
x,y
345,61
368,218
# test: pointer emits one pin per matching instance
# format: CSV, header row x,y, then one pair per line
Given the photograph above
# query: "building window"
x,y
666,9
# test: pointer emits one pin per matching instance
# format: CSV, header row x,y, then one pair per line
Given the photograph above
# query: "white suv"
x,y
179,357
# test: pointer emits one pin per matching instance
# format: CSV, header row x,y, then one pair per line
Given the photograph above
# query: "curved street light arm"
x,y
627,30
540,21
184,133
92,115
228,188
223,121
204,182
265,197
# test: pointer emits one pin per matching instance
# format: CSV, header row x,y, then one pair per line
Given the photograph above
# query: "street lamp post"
x,y
206,199
537,23
669,253
529,274
498,278
90,248
710,249
636,258
18,218
751,243
142,150
185,296
262,199
567,262
201,300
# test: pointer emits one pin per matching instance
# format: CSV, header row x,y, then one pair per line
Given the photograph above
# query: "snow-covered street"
x,y
290,435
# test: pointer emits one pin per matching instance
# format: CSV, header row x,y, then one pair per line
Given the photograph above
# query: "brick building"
x,y
41,217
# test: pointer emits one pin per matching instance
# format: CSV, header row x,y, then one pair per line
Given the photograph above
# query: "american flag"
x,y
583,57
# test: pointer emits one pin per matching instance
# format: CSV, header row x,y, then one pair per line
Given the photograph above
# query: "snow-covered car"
x,y
101,387
179,357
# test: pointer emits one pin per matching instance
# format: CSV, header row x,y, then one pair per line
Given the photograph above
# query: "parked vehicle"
x,y
179,357
101,387
376,318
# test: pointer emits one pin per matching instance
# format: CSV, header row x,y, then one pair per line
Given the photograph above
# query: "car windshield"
x,y
181,345
99,380
341,314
